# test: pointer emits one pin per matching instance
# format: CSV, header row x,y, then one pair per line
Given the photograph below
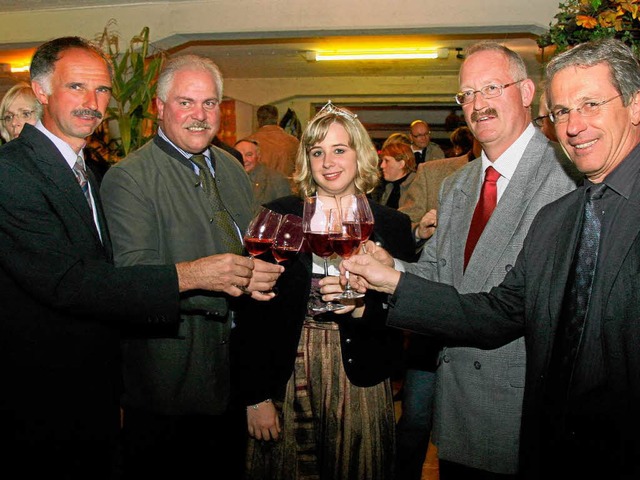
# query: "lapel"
x,y
563,253
54,167
615,248
465,194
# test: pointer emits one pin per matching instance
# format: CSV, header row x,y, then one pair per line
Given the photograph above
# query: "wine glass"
x,y
347,237
316,227
261,232
288,239
366,218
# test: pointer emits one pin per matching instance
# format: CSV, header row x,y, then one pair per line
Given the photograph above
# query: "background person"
x,y
19,106
398,167
268,184
423,148
278,148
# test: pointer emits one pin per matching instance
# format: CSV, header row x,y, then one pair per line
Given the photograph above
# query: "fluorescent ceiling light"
x,y
413,54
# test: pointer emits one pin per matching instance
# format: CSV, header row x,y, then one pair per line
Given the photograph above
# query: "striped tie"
x,y
80,172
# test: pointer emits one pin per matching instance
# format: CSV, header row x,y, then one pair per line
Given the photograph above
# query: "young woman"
x,y
317,385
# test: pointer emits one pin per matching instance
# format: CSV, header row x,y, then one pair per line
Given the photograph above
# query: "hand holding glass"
x,y
348,237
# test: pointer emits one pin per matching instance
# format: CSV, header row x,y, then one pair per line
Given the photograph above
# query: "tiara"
x,y
330,108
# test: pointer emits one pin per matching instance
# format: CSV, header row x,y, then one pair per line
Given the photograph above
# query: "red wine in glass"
x,y
257,246
261,231
288,239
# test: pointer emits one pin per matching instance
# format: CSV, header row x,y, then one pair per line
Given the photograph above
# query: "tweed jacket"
x,y
469,426
422,194
158,213
63,302
266,339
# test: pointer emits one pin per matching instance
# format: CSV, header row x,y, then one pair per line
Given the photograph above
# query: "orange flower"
x,y
586,21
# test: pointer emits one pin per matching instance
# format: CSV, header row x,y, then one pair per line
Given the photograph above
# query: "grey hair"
x,y
517,67
624,68
187,62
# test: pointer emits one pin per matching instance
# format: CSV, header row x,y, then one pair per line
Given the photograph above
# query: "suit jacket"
x,y
278,149
158,213
268,184
422,194
468,426
266,339
63,304
529,302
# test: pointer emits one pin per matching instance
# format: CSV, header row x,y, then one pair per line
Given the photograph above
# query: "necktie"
x,y
80,172
484,209
419,157
577,292
221,218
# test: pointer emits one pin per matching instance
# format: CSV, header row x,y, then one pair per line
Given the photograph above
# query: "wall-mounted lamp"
x,y
405,54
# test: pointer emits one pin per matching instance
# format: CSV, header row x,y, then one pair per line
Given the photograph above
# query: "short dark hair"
x,y
47,54
267,115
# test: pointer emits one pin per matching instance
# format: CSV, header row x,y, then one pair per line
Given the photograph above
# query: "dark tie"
x,y
419,157
577,292
484,209
221,218
80,172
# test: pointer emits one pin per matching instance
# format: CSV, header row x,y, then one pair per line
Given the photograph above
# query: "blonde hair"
x,y
367,173
21,89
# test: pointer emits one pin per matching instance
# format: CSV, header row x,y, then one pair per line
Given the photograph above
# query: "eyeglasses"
x,y
539,121
22,114
421,134
330,108
488,91
587,109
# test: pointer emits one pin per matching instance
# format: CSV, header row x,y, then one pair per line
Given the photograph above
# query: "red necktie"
x,y
484,209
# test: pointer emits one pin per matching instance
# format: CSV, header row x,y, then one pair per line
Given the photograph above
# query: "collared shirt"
x,y
507,163
70,157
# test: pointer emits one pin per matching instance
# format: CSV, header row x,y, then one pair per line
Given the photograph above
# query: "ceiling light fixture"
x,y
407,54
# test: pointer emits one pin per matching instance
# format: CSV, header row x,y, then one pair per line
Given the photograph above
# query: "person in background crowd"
x,y
398,167
268,184
397,137
573,291
217,142
63,302
178,420
543,121
462,142
477,437
19,106
423,148
278,148
317,385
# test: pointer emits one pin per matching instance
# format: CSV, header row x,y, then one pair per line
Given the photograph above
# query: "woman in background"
x,y
19,106
318,386
398,165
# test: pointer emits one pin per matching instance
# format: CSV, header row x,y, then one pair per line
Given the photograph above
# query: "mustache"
x,y
198,124
87,112
487,111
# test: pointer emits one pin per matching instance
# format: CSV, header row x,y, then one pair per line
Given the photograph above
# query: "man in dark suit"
x,y
582,389
63,301
160,209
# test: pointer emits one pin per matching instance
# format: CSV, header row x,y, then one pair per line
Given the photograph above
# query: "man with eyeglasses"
x,y
574,290
543,121
478,393
423,148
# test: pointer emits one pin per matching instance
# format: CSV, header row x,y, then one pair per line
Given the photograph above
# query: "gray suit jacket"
x,y
158,213
470,426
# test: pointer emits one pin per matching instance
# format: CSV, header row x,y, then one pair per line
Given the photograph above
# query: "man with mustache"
x,y
63,302
179,197
478,393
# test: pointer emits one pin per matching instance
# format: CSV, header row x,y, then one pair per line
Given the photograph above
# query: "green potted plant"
x,y
584,20
135,71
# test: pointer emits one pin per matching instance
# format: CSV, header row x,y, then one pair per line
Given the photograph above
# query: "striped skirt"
x,y
331,429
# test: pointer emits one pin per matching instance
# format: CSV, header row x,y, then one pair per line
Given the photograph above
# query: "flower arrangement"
x,y
584,20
